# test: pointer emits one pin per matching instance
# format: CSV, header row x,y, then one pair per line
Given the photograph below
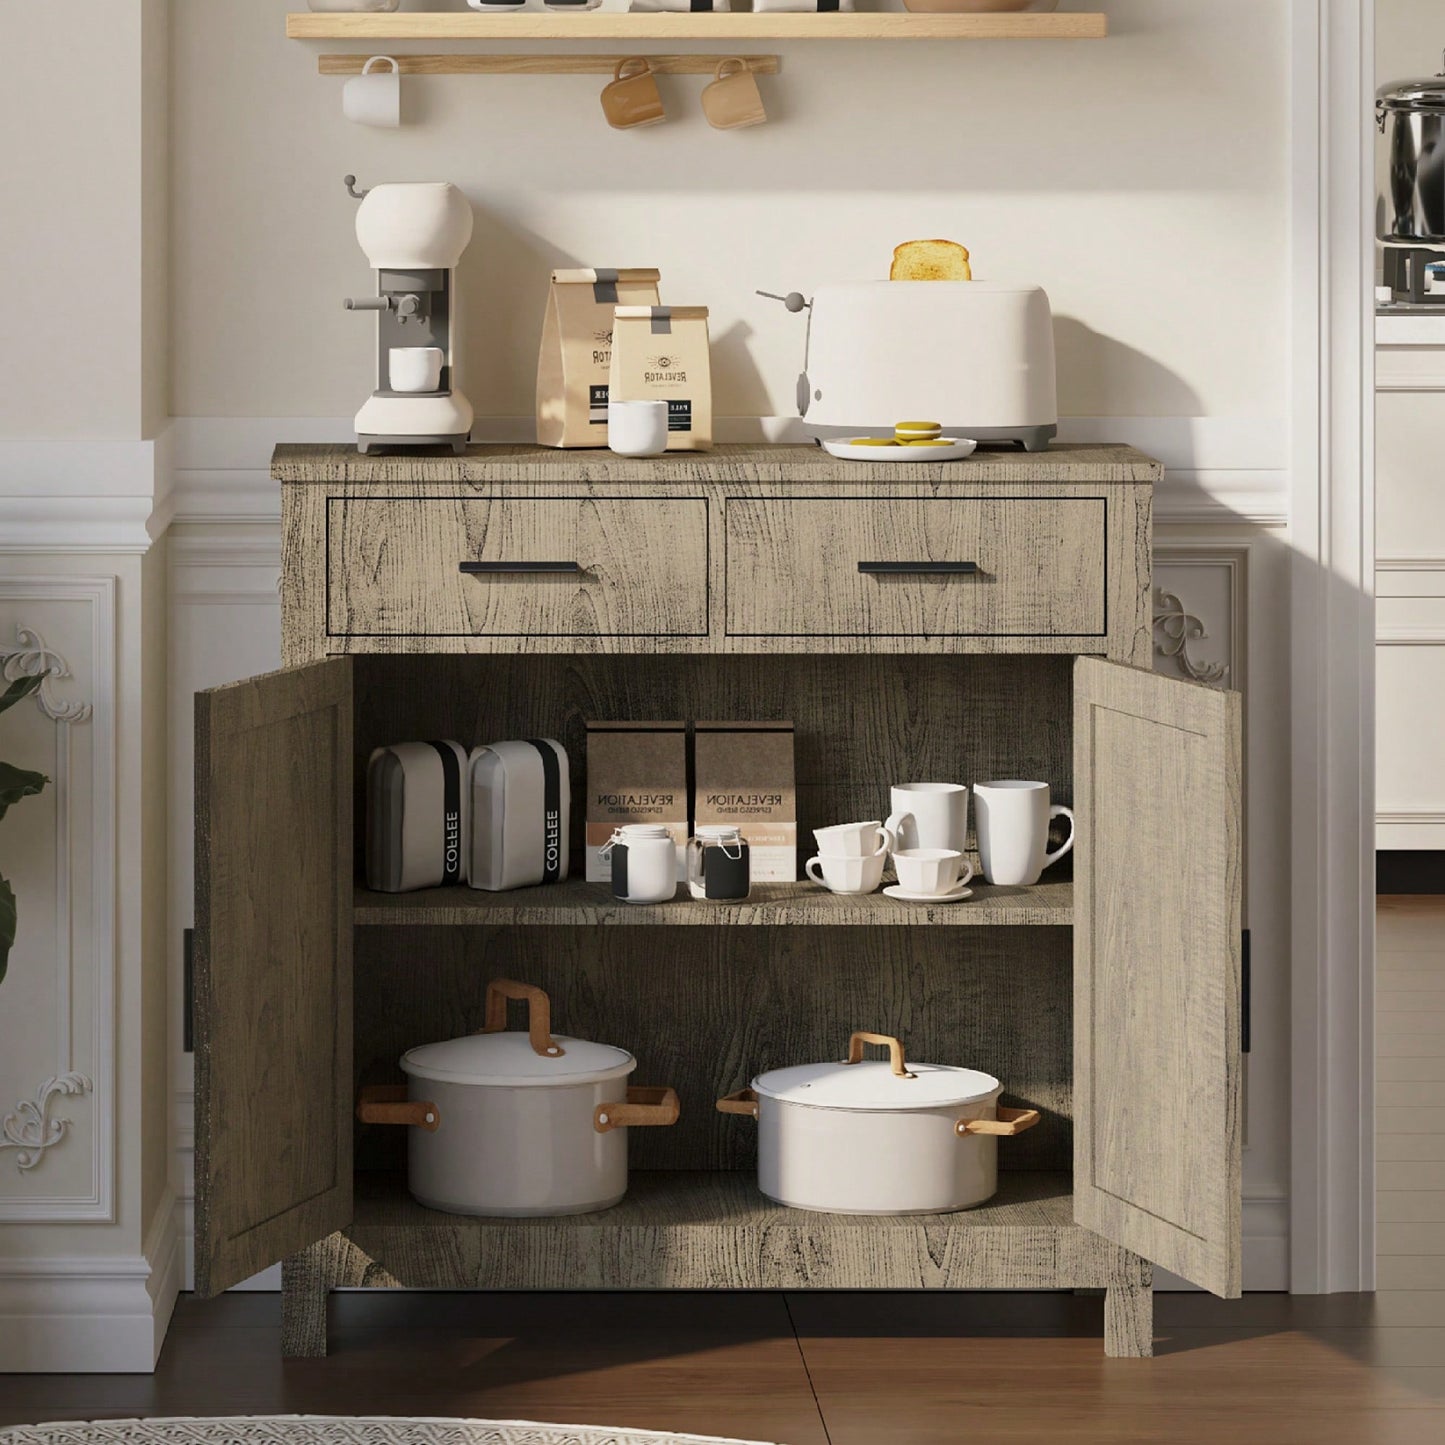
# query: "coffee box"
x,y
636,773
662,353
573,368
743,775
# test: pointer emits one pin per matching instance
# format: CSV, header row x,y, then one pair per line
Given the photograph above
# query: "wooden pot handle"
x,y
1008,1123
894,1047
388,1104
643,1107
744,1101
539,1014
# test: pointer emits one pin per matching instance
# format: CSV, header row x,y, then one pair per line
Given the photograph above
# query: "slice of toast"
x,y
930,261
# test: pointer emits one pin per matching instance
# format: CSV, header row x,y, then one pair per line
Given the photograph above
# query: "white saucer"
x,y
897,891
956,450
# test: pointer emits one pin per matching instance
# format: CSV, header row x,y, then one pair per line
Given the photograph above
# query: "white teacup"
x,y
374,98
637,428
841,874
415,368
854,840
931,871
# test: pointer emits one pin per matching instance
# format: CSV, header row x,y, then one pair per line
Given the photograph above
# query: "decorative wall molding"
x,y
1421,816
1409,564
1332,695
32,658
85,496
29,1128
1174,629
90,724
1219,469
1409,636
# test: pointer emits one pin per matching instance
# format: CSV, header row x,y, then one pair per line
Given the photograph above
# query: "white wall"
x,y
1141,180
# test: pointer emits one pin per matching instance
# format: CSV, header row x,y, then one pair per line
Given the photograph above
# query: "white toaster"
x,y
976,356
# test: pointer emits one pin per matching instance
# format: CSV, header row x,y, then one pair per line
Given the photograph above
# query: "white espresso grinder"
x,y
414,236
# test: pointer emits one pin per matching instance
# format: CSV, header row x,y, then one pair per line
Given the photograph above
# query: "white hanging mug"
x,y
373,98
1012,819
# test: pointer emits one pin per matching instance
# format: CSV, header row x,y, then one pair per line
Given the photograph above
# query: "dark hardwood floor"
x,y
811,1369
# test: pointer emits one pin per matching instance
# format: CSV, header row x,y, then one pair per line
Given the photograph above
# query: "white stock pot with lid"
x,y
864,1136
513,1123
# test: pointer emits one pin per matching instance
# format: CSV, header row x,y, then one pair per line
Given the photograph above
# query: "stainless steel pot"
x,y
868,1137
1412,113
517,1123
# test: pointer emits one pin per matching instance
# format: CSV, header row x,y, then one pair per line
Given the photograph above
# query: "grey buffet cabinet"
x,y
727,585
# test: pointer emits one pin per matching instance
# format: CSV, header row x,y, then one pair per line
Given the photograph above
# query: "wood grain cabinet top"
x,y
743,549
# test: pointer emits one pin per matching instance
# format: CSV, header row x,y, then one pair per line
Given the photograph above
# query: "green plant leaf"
x,y
7,924
17,783
20,689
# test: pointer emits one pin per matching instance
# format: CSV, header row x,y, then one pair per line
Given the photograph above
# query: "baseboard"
x,y
1266,1250
92,1315
1410,870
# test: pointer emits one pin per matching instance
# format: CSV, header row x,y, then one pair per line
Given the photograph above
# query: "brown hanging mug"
x,y
630,100
731,100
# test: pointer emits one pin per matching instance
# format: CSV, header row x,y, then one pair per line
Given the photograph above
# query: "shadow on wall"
x,y
1098,375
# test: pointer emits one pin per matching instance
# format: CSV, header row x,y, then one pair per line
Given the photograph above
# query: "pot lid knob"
x,y
539,1014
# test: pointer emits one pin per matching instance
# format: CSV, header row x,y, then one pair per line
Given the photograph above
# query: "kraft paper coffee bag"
x,y
662,353
743,775
572,369
636,773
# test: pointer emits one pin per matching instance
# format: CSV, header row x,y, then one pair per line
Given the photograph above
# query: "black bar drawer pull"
x,y
512,569
921,569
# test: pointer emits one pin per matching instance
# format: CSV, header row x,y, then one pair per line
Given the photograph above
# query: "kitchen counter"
x,y
739,462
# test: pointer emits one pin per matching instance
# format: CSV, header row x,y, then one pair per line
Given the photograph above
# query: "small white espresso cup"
x,y
931,871
1013,819
841,874
637,428
374,97
854,840
929,815
415,368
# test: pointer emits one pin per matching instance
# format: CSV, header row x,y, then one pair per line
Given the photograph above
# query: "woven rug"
x,y
338,1430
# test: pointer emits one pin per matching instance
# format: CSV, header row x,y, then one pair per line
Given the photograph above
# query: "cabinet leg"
x,y
305,1287
1129,1316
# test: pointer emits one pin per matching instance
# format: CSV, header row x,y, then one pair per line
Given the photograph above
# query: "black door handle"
x,y
507,569
905,569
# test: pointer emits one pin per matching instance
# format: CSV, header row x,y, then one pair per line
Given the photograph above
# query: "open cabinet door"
x,y
272,968
1157,1058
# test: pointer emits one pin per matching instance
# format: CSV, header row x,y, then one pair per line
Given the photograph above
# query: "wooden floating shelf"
x,y
737,25
576,903
575,64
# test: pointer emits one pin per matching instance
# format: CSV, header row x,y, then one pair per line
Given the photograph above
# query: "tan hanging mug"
x,y
632,99
731,99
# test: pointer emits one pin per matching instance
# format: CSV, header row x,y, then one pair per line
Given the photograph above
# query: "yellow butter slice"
x,y
873,442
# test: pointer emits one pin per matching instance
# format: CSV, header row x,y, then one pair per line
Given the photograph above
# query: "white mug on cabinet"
x,y
929,815
1013,820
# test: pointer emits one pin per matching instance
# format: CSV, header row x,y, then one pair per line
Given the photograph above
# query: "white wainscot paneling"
x,y
225,624
57,1003
1410,497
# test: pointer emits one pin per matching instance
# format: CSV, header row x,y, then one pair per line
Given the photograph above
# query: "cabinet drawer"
x,y
861,567
625,567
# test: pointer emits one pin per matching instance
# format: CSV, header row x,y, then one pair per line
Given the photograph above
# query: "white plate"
x,y
897,890
955,451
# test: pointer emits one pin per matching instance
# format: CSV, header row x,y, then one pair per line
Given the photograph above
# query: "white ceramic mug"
x,y
374,99
839,874
929,815
637,428
415,368
854,840
931,871
1013,819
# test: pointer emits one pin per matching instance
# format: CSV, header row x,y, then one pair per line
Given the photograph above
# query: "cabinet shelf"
x,y
890,25
714,1230
577,903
